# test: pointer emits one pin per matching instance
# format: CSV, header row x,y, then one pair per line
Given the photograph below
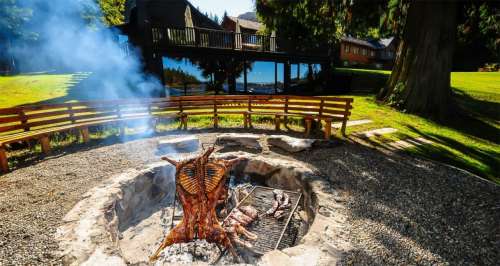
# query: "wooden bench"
x,y
39,122
327,109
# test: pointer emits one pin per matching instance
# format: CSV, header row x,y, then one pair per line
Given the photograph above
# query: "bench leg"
x,y
245,120
250,121
328,128
344,125
308,126
4,165
85,134
277,122
122,130
45,142
216,121
285,121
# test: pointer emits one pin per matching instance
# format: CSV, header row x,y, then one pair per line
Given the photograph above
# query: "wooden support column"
x,y
275,78
245,85
286,76
277,122
4,165
45,142
85,134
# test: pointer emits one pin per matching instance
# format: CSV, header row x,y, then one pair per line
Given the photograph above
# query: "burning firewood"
x,y
200,185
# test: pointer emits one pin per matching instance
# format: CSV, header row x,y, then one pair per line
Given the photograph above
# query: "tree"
x,y
12,18
420,80
112,11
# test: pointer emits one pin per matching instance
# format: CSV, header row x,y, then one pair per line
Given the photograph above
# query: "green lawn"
x,y
25,89
469,141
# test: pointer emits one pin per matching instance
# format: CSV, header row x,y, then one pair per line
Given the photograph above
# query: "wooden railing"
x,y
209,38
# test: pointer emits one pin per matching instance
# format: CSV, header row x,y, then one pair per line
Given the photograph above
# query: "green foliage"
x,y
305,24
12,18
112,11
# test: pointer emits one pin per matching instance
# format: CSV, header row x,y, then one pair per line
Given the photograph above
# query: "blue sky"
x,y
233,7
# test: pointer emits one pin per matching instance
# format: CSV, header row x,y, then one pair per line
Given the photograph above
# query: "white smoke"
x,y
68,41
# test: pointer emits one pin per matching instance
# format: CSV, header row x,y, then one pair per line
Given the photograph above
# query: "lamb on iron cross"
x,y
200,185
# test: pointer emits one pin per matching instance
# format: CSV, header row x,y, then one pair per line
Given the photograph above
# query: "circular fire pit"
x,y
124,220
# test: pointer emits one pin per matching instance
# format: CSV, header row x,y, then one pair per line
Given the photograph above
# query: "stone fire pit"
x,y
123,220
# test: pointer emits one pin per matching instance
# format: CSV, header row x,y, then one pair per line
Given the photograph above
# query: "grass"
x,y
26,89
470,141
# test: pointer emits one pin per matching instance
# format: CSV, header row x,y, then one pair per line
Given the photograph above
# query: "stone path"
x,y
376,132
407,143
352,123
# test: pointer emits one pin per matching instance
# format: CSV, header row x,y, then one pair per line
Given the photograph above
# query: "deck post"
x,y
245,76
298,72
4,165
286,76
275,77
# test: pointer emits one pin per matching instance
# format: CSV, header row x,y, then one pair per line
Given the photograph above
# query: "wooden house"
x,y
175,28
371,53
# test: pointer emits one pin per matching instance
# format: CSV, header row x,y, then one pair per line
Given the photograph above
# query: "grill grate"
x,y
272,233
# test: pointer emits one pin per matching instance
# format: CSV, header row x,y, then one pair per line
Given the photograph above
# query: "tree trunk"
x,y
420,79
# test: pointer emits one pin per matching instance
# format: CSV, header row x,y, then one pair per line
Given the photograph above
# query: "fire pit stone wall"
x,y
92,230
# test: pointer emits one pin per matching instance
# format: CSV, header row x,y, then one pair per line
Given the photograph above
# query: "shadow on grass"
x,y
490,158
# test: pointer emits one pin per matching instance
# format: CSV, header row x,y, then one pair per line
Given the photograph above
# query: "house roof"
x,y
247,24
374,44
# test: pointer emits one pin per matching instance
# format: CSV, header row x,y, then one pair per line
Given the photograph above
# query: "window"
x,y
363,51
372,53
346,48
355,50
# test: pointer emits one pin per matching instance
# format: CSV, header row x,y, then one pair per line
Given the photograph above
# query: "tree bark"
x,y
420,79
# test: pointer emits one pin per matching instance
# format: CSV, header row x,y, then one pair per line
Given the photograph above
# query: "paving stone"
x,y
408,143
376,132
179,144
290,144
250,141
353,123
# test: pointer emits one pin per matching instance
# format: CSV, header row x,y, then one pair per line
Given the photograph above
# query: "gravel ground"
x,y
401,210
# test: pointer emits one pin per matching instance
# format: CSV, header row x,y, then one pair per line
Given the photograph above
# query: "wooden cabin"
x,y
175,28
367,53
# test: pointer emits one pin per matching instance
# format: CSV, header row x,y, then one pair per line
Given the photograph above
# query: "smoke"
x,y
72,38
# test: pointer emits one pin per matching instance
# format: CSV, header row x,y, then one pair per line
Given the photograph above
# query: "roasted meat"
x,y
200,185
281,202
235,224
249,211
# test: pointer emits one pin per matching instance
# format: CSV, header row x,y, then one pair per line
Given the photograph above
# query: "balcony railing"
x,y
209,38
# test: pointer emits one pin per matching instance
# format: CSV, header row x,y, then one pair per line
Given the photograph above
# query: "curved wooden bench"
x,y
40,121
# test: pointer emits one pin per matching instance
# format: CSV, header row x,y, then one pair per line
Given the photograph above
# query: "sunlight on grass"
x,y
26,89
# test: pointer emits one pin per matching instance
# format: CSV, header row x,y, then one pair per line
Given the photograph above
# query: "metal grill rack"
x,y
272,233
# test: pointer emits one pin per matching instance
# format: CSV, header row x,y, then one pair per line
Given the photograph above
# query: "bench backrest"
x,y
32,117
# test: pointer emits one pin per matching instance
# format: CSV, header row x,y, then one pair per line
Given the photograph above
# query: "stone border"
x,y
89,235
